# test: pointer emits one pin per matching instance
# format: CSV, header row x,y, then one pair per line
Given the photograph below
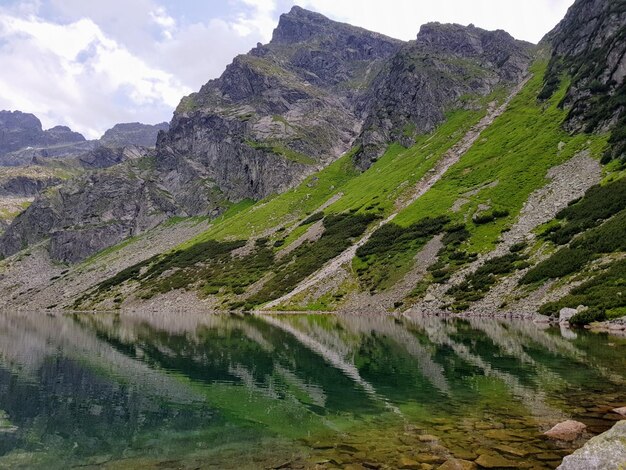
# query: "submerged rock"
x,y
495,461
604,452
569,430
457,464
620,411
5,424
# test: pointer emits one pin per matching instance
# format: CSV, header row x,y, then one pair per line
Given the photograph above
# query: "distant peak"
x,y
299,25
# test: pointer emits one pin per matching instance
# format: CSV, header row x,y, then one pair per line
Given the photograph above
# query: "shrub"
x,y
313,218
486,217
587,316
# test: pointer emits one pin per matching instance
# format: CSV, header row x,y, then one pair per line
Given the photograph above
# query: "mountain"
x,y
22,140
589,46
337,169
20,130
132,133
284,111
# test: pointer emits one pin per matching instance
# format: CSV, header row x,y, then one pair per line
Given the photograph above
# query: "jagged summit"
x,y
588,44
300,24
19,130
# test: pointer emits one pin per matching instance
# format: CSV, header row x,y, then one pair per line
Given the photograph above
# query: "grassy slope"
x,y
378,187
508,162
372,192
516,151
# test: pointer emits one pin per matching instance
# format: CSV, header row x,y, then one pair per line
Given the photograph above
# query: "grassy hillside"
x,y
258,252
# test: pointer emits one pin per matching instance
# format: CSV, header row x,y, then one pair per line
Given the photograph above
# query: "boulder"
x,y
604,452
565,314
457,464
569,430
620,411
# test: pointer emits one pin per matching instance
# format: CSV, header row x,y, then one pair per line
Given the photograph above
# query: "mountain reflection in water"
x,y
175,390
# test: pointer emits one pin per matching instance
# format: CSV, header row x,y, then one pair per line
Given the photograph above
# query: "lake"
x,y
174,390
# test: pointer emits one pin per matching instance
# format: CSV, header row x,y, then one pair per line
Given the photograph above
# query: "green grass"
x,y
277,148
374,190
516,151
378,263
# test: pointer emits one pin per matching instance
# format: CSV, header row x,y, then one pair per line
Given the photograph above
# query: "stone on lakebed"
x,y
569,430
606,451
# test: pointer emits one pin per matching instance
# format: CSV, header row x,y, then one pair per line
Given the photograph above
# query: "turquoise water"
x,y
292,391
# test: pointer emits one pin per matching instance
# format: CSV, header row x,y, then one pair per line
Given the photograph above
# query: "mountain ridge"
x,y
479,212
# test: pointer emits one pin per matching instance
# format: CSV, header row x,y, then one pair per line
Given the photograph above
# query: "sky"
x,y
89,64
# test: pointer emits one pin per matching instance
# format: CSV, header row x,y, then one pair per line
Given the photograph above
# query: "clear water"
x,y
292,391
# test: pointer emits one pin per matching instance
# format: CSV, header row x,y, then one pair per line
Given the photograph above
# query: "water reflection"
x,y
142,389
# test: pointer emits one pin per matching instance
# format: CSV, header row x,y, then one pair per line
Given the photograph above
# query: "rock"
x,y
590,32
620,411
495,461
6,427
517,452
429,298
566,332
408,463
569,430
19,130
503,435
565,314
134,133
457,464
604,452
405,101
427,438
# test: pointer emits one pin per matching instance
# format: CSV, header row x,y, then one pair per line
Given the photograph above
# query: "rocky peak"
x,y
133,133
20,130
299,25
61,135
428,76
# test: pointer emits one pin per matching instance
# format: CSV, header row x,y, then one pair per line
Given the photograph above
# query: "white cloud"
x,y
70,74
259,19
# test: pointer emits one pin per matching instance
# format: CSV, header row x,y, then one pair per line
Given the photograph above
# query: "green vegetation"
x,y
340,232
505,165
278,148
599,204
604,295
378,262
478,283
607,238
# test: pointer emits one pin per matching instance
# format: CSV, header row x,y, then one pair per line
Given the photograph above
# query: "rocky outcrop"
x,y
604,452
287,105
588,44
430,76
91,212
133,133
21,130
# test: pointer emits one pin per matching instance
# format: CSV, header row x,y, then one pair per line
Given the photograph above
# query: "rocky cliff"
x,y
21,130
133,133
280,112
588,45
430,76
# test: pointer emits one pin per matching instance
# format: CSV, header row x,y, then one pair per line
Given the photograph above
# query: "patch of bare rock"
x,y
604,452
